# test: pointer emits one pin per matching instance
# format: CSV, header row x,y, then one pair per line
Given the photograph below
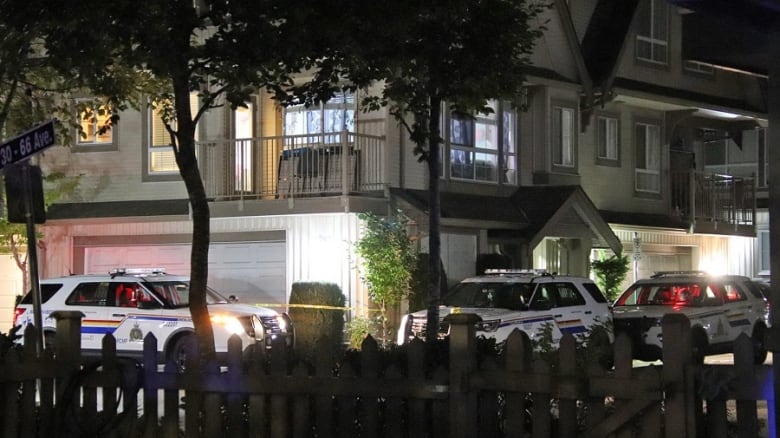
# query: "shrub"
x,y
317,313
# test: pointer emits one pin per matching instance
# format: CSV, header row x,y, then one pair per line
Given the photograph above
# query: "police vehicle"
x,y
719,308
131,303
528,300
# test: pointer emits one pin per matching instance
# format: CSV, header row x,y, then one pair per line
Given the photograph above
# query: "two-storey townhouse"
x,y
671,149
585,165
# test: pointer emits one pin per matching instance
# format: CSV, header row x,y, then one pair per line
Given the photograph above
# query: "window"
x,y
763,251
332,117
161,159
89,294
568,295
563,131
722,155
700,68
652,38
607,138
96,126
243,131
482,146
648,158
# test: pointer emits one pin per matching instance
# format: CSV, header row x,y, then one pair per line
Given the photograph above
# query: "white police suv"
x,y
130,303
719,308
527,300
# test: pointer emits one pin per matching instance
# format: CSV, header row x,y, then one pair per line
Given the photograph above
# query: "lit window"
x,y
161,156
607,138
95,126
648,158
652,37
482,147
563,131
332,117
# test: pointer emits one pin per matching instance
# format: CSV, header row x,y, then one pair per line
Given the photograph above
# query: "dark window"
x,y
47,291
568,295
595,292
89,294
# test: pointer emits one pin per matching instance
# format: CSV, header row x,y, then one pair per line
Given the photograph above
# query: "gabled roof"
x,y
532,213
605,37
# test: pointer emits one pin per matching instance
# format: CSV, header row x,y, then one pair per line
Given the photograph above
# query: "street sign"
x,y
26,144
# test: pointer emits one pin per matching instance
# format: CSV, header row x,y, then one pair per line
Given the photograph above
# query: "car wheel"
x,y
759,344
182,350
699,346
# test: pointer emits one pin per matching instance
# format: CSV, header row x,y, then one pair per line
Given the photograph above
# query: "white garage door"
x,y
252,271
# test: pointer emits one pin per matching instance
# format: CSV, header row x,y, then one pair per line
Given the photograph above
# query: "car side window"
x,y
595,292
89,294
544,294
568,295
733,293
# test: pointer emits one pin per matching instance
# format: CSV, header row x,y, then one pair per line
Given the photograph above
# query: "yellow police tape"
x,y
314,306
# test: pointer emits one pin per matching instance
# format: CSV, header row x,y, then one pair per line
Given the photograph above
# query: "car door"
x,y
136,314
740,311
92,298
571,313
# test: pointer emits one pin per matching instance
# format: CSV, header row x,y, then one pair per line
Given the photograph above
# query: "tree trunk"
x,y
201,216
434,239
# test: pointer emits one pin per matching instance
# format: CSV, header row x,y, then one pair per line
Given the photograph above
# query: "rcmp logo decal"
x,y
136,334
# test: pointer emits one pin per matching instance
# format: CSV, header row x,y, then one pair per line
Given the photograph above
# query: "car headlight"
x,y
488,326
230,323
283,323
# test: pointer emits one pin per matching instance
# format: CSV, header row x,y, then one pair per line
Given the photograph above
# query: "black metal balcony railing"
x,y
713,200
289,166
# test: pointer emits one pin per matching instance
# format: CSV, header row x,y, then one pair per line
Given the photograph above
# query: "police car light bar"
x,y
136,271
517,271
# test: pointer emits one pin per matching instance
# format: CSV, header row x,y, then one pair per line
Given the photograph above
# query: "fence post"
x,y
67,353
463,361
679,412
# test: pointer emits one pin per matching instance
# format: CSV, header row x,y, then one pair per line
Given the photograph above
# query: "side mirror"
x,y
151,304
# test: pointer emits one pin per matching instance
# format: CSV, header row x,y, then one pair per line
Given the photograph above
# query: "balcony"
x,y
339,163
714,203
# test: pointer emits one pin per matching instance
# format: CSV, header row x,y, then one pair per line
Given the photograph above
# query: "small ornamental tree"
x,y
610,273
388,262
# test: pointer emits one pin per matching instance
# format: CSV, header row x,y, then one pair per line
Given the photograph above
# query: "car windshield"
x,y
670,294
177,293
490,295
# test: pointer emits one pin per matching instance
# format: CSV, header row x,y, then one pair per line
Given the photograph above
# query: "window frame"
x,y
654,39
638,171
561,161
499,158
604,158
149,148
83,145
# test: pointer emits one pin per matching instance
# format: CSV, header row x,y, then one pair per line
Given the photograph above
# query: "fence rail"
x,y
375,394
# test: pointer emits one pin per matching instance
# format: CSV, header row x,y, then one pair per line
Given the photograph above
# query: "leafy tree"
x,y
389,262
450,55
221,50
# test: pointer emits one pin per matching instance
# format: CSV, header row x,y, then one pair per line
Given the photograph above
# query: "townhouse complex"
x,y
626,143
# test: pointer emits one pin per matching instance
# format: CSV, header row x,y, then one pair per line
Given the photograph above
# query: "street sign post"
x,y
12,151
26,144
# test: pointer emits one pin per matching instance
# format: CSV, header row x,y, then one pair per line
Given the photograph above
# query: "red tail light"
x,y
19,311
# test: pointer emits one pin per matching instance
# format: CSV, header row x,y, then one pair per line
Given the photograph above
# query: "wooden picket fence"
x,y
380,396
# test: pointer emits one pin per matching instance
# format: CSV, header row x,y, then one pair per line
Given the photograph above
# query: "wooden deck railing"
x,y
381,395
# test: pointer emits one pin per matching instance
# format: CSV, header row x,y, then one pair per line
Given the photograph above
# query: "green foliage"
x,y
358,328
317,313
592,347
610,273
388,262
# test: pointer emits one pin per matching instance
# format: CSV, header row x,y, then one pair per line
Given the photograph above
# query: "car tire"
x,y
181,350
759,344
699,346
